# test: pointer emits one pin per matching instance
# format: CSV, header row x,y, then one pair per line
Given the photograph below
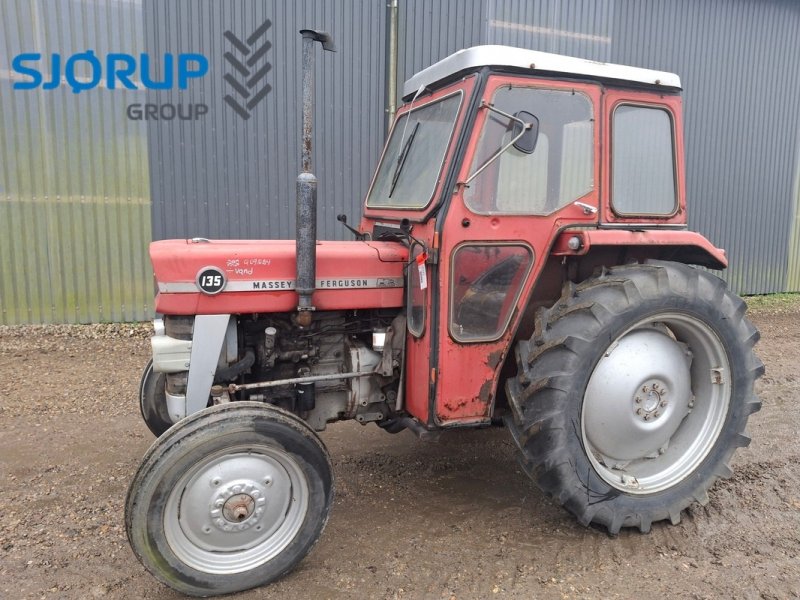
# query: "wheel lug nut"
x,y
639,411
647,417
656,414
663,403
638,400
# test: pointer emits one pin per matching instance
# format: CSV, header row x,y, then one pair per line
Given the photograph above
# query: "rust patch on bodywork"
x,y
495,358
485,394
455,405
476,407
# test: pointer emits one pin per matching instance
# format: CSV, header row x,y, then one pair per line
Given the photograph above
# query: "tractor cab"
x,y
517,170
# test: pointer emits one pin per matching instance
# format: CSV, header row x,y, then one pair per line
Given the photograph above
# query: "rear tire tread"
x,y
549,363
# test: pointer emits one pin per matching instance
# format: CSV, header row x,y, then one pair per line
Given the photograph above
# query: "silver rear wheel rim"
x,y
237,509
656,403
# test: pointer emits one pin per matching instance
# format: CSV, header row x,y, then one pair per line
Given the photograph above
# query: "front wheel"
x,y
230,498
634,393
153,400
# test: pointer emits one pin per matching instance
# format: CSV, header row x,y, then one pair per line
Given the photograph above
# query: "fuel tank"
x,y
258,276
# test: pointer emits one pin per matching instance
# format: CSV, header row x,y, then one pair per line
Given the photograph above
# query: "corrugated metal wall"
x,y
74,187
582,28
76,175
223,176
430,30
741,74
230,178
740,69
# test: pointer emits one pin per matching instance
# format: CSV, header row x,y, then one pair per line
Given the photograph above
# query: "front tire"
x,y
231,498
634,393
153,400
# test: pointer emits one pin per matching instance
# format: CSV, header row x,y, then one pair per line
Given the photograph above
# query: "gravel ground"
x,y
412,519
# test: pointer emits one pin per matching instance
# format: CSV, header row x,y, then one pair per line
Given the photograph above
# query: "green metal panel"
x,y
793,268
74,182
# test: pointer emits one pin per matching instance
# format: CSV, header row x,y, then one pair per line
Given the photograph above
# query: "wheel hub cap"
x,y
238,506
236,509
649,404
654,404
637,396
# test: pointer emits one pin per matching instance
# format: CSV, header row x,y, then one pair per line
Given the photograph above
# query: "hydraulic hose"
x,y
230,372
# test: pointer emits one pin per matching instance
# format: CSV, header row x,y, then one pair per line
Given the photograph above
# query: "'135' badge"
x,y
211,280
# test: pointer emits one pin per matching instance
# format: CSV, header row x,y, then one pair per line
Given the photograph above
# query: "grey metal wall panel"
x,y
74,188
742,109
582,28
739,69
430,30
222,176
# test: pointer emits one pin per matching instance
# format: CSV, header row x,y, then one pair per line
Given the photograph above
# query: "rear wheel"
x,y
230,498
634,393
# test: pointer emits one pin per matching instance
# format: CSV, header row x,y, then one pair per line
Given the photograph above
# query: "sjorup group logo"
x,y
245,59
246,56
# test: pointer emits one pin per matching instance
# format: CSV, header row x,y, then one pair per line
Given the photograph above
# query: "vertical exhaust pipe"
x,y
306,239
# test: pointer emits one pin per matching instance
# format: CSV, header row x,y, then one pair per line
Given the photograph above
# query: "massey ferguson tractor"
x,y
523,261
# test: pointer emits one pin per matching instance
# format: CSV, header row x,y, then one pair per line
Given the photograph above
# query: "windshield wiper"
x,y
401,159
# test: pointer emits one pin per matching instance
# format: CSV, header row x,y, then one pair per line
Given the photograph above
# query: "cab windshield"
x,y
414,155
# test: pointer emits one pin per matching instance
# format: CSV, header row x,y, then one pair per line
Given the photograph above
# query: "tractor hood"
x,y
256,276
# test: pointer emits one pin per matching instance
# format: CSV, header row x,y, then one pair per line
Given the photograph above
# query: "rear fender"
x,y
590,249
686,247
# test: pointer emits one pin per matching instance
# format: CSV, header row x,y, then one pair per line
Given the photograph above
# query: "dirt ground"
x,y
412,519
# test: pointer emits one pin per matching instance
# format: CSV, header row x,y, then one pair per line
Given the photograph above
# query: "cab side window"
x,y
487,280
642,161
557,172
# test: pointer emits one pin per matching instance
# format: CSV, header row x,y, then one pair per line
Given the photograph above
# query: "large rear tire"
x,y
231,498
634,393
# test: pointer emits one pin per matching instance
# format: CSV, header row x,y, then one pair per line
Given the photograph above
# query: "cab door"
x,y
409,184
511,201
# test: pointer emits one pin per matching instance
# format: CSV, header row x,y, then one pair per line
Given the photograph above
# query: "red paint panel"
x,y
418,349
469,372
651,237
179,261
272,302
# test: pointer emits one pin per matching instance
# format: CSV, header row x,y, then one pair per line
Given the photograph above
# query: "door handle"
x,y
588,209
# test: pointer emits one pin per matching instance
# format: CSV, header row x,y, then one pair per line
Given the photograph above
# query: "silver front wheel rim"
x,y
656,403
236,510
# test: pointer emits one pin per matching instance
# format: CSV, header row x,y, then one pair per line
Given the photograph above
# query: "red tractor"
x,y
523,260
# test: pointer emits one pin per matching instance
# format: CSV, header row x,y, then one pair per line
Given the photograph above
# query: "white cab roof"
x,y
508,56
